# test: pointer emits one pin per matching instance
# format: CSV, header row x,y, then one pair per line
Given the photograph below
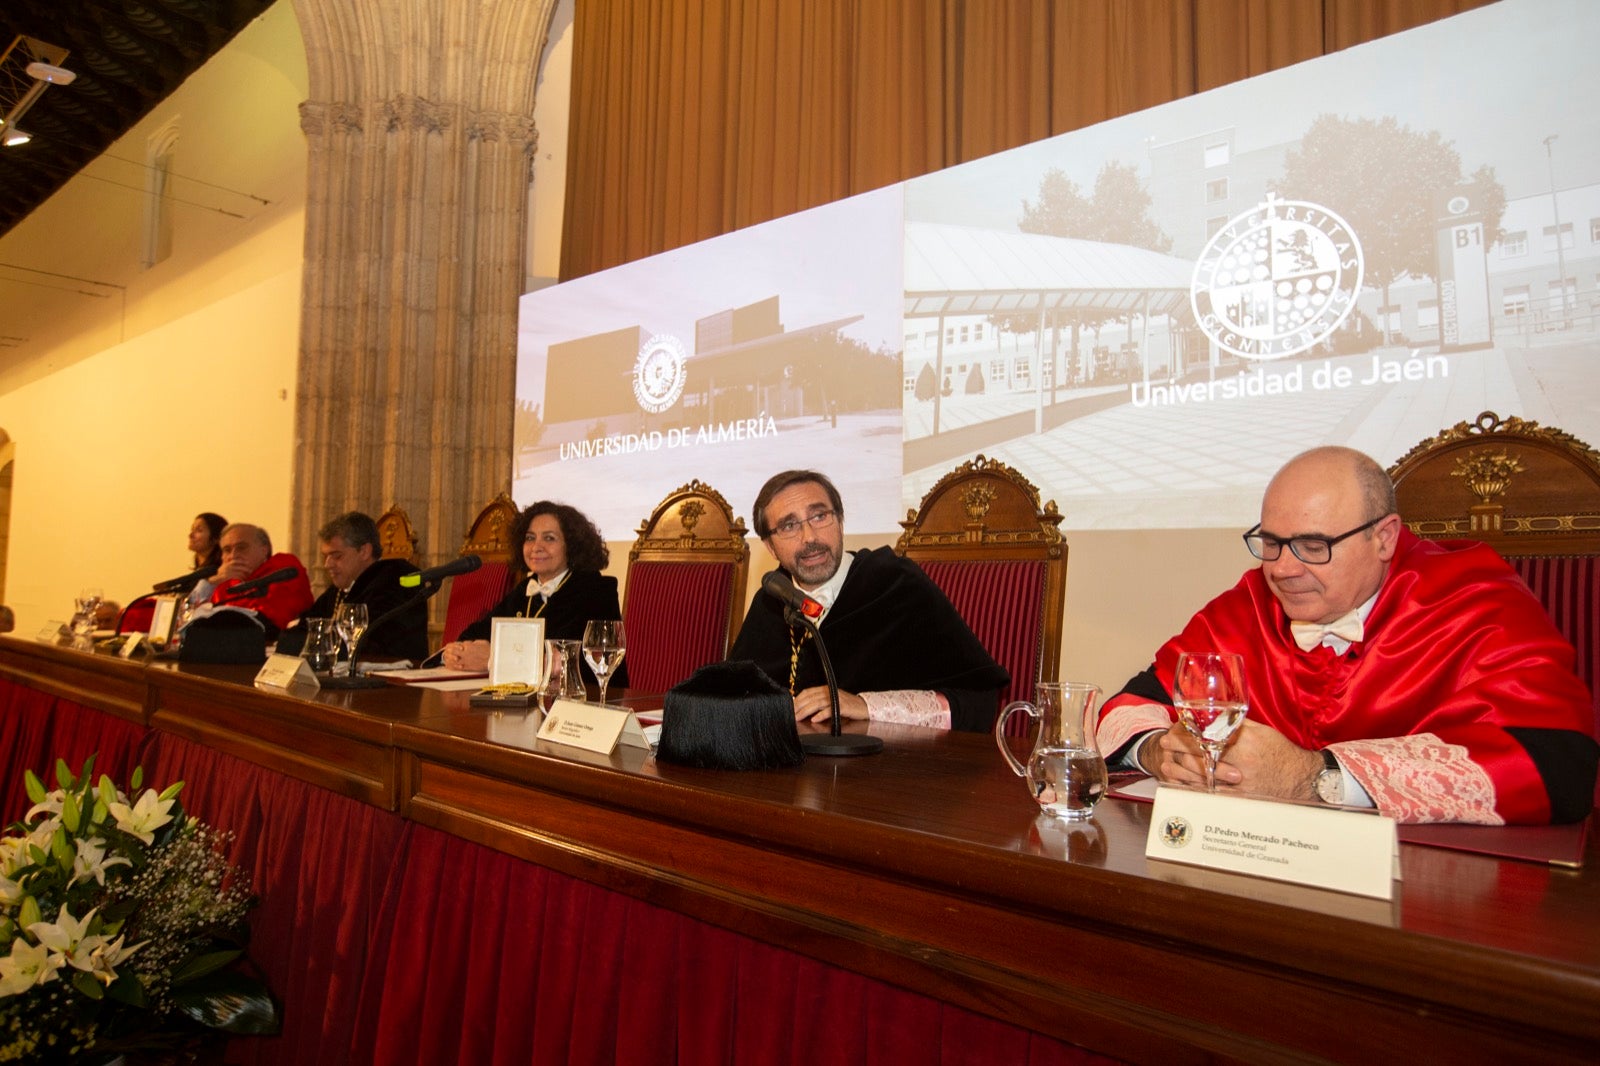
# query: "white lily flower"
x,y
26,966
91,861
51,806
68,939
104,957
145,817
10,892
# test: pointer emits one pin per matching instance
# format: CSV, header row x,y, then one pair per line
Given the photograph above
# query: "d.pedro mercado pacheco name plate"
x,y
1339,849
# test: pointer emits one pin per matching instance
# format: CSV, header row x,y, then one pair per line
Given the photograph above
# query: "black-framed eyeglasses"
x,y
1314,551
790,528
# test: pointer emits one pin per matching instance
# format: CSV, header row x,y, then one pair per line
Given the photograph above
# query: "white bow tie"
x,y
1309,634
547,589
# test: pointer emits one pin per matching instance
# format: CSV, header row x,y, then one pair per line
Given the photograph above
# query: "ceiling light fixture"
x,y
14,136
51,73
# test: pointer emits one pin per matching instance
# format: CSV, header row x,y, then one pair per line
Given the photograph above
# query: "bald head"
x,y
1328,492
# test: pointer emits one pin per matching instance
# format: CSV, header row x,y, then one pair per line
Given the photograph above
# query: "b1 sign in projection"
x,y
1145,318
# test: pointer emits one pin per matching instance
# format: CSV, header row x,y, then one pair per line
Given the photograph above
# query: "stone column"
x,y
420,137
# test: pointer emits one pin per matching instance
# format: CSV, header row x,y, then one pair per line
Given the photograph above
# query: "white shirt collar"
x,y
548,588
828,591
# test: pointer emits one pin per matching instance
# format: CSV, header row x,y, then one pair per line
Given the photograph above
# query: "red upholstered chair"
x,y
982,537
474,593
685,593
1533,494
135,618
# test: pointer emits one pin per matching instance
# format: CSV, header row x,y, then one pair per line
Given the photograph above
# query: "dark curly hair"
x,y
586,548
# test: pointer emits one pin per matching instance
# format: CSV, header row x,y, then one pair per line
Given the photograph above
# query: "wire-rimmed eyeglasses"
x,y
790,528
1314,551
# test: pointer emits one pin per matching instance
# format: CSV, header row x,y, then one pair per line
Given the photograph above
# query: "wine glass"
x,y
351,621
603,647
1210,695
87,603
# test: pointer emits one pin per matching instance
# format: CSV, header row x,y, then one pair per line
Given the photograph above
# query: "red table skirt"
x,y
389,942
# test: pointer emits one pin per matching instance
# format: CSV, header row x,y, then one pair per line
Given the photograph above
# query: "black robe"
x,y
585,595
891,628
405,636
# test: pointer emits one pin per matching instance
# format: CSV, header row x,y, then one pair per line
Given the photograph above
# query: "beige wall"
x,y
130,414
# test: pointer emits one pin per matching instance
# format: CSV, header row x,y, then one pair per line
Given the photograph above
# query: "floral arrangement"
x,y
121,922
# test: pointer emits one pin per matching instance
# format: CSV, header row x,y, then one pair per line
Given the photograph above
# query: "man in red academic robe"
x,y
246,555
1419,677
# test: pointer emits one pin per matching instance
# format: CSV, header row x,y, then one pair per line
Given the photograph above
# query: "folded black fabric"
x,y
729,716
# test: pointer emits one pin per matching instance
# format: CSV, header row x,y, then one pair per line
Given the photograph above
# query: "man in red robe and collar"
x,y
1419,677
246,555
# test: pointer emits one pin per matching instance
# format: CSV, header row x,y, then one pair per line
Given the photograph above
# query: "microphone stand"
x,y
352,680
836,741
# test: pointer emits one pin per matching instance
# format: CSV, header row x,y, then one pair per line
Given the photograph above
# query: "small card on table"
x,y
281,671
591,726
1343,850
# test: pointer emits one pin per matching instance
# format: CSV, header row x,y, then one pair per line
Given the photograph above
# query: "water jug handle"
x,y
1000,732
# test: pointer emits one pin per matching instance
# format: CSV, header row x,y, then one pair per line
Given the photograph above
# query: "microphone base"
x,y
353,682
846,744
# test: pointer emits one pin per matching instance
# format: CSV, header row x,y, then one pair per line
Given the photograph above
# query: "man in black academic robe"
x,y
357,573
900,651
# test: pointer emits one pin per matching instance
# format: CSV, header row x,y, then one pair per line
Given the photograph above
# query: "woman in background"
x,y
203,539
557,579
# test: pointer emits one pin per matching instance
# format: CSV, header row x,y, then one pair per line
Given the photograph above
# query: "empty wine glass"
x,y
1209,692
87,603
603,648
351,622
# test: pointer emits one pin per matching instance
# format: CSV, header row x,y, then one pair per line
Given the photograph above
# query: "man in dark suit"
x,y
358,573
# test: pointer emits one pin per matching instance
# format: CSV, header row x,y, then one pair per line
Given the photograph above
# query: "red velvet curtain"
x,y
692,118
36,728
490,959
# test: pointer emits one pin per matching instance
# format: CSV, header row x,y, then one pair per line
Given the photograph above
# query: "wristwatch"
x,y
1329,782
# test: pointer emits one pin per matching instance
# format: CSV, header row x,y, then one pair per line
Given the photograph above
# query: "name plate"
x,y
130,644
281,671
592,727
1343,850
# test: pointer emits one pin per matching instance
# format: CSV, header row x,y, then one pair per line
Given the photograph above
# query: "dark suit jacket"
x,y
405,636
584,595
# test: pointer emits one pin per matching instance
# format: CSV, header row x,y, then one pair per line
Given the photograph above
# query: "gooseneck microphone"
x,y
435,574
186,582
256,584
800,609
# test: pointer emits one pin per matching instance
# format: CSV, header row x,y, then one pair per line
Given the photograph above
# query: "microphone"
x,y
800,609
186,582
777,584
435,574
256,584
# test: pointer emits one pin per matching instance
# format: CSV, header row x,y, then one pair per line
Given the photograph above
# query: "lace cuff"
x,y
1420,779
1121,724
908,707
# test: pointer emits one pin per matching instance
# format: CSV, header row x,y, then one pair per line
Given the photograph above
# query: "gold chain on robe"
x,y
795,644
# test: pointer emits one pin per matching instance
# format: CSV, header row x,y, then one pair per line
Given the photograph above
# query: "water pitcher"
x,y
571,671
322,644
1065,773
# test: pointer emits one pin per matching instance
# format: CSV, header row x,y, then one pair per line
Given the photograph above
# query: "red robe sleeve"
x,y
279,604
1459,656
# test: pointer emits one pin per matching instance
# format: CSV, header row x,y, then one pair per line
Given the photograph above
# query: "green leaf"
x,y
98,815
231,1002
64,775
36,791
29,913
200,965
171,790
70,815
87,985
137,779
87,773
127,988
63,851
